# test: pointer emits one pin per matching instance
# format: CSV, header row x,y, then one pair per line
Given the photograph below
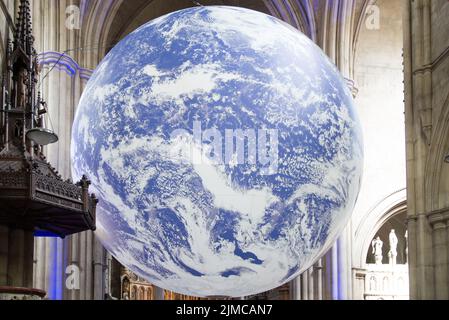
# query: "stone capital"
x,y
439,218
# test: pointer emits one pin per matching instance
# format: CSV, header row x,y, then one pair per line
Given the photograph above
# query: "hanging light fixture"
x,y
41,136
34,199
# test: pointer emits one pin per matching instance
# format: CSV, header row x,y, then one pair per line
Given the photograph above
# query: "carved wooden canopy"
x,y
33,195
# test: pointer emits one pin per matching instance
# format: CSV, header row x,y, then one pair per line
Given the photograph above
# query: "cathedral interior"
x,y
394,57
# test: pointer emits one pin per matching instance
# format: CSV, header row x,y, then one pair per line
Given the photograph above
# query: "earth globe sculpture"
x,y
224,148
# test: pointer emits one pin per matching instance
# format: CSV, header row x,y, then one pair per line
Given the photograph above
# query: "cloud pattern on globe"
x,y
194,224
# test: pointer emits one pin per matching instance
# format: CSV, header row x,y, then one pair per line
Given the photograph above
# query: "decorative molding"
x,y
438,216
434,64
436,168
352,87
290,13
17,293
359,24
8,17
85,74
63,62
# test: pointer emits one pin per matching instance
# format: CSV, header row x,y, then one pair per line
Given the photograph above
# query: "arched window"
x,y
125,289
141,294
149,294
134,293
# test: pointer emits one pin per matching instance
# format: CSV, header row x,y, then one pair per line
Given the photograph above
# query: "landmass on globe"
x,y
181,208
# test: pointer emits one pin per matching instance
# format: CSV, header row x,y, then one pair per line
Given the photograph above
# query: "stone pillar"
x,y
319,280
335,273
295,289
59,50
20,258
305,286
359,284
327,276
16,265
99,271
447,249
426,98
440,252
4,240
336,42
345,265
158,293
310,283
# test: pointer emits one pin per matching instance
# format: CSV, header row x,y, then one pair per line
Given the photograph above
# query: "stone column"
x,y
158,293
59,51
440,251
311,283
337,43
305,286
345,264
4,240
18,246
16,264
426,98
99,271
295,289
319,280
447,250
327,276
335,273
359,284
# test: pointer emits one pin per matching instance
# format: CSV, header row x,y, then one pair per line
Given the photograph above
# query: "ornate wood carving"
x,y
32,193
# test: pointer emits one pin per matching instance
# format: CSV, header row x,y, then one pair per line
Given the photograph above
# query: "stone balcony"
x,y
386,282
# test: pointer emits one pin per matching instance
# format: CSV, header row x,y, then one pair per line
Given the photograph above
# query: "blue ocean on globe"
x,y
224,148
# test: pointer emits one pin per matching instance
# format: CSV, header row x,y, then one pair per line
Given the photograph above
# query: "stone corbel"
x,y
438,218
426,124
352,87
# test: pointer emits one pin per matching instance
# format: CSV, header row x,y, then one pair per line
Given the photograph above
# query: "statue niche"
x,y
21,92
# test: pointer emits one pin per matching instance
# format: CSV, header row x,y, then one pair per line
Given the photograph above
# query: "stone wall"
x,y
426,54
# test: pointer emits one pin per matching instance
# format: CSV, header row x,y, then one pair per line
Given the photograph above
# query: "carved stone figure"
x,y
125,289
393,253
21,88
377,250
406,246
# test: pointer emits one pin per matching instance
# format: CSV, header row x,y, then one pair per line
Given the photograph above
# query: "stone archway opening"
x,y
387,271
397,224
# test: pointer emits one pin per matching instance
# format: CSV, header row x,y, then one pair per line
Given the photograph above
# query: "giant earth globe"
x,y
224,148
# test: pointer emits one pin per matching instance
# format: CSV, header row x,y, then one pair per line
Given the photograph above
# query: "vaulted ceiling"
x,y
333,24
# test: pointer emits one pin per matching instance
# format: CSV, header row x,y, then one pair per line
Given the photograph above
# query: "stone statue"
x,y
125,289
406,246
21,89
377,250
392,255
